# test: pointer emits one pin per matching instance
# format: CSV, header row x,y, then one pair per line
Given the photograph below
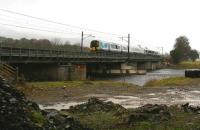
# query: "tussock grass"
x,y
179,120
189,65
38,118
77,84
173,81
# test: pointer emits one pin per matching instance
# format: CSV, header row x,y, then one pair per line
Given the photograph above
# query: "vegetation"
x,y
55,44
38,118
173,81
108,121
182,51
194,55
76,84
148,117
189,65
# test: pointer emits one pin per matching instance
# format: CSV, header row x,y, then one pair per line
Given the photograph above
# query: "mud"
x,y
168,96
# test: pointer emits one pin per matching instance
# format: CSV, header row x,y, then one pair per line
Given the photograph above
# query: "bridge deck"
x,y
24,55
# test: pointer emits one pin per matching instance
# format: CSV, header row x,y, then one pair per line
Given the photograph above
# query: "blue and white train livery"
x,y
98,45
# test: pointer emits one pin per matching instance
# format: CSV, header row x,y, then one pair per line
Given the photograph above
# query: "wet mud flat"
x,y
127,96
120,106
120,91
168,96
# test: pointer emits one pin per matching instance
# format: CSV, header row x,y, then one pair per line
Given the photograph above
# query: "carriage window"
x,y
105,45
113,46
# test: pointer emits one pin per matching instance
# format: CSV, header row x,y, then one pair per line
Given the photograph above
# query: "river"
x,y
157,74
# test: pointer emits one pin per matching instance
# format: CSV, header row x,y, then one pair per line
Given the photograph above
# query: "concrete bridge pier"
x,y
114,69
72,72
141,68
153,65
150,66
129,68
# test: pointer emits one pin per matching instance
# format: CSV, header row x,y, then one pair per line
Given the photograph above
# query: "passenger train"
x,y
98,45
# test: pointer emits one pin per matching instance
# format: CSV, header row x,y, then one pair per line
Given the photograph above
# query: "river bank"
x,y
20,114
186,65
111,105
173,81
62,95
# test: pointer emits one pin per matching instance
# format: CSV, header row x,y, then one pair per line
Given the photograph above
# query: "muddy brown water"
x,y
168,96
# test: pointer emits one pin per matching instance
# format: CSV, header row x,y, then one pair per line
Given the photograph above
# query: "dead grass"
x,y
189,65
76,84
173,81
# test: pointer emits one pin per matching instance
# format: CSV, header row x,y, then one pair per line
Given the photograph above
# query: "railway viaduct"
x,y
37,64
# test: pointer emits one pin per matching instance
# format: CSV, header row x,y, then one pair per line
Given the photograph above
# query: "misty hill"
x,y
55,44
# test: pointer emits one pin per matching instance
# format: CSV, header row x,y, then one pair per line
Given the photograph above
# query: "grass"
x,y
38,118
76,84
173,81
188,65
99,120
179,120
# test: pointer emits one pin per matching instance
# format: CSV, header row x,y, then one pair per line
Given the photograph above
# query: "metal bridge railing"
x,y
24,52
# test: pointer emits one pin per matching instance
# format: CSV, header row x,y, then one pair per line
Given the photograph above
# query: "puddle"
x,y
59,106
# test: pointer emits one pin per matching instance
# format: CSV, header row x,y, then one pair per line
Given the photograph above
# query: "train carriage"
x,y
98,45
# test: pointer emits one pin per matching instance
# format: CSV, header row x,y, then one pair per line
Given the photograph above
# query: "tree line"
x,y
55,44
182,51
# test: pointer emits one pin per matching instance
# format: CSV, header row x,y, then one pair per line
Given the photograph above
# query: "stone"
x,y
149,112
12,100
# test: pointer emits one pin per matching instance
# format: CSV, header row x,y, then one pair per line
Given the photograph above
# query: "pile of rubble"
x,y
188,108
94,105
14,109
17,113
149,112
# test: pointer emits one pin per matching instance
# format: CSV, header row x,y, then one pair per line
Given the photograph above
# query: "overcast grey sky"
x,y
154,23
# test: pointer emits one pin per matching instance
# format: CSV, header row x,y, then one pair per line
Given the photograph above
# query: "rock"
x,y
137,117
95,104
33,105
13,100
17,113
149,112
187,108
63,121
